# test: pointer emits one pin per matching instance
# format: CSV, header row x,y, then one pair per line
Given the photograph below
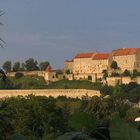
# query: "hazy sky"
x,y
56,30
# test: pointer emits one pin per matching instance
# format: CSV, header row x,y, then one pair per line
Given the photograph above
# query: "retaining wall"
x,y
74,93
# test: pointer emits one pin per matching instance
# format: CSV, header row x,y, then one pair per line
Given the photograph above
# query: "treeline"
x,y
29,65
43,118
130,92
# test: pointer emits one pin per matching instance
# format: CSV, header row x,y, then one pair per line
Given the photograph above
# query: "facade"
x,y
127,58
92,64
68,65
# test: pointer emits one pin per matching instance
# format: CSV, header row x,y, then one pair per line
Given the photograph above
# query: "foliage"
x,y
74,136
28,82
82,122
31,64
115,74
34,116
16,67
18,75
7,66
105,74
43,65
126,73
120,130
114,65
6,84
135,73
106,90
67,71
74,84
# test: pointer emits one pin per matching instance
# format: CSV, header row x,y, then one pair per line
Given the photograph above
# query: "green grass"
x,y
28,82
74,84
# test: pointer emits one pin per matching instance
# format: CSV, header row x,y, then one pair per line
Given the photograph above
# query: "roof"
x,y
101,56
125,51
84,55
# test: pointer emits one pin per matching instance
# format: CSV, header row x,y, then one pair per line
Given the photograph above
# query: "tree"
x,y
135,73
105,74
126,73
31,64
43,65
16,66
18,75
7,66
114,65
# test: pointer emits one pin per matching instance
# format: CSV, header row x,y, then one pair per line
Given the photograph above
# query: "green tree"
x,y
135,73
105,74
126,73
114,65
31,64
67,71
43,65
16,66
7,66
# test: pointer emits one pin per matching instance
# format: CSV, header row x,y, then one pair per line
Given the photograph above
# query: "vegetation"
x,y
43,65
7,66
43,118
74,84
29,65
16,67
114,65
126,73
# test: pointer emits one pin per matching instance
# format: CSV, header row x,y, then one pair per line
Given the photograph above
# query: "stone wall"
x,y
74,93
27,73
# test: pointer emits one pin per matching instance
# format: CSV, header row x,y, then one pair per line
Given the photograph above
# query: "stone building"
x,y
92,64
127,58
68,65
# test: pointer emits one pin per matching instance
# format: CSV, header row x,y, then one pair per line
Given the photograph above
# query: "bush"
x,y
106,90
18,75
126,73
115,74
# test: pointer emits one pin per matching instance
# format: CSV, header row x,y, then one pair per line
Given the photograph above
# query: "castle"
x,y
92,64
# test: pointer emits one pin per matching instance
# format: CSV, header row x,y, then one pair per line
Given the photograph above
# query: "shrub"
x,y
115,74
106,90
126,73
18,75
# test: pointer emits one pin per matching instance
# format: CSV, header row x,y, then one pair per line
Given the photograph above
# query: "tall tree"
x,y
16,66
7,66
43,65
114,65
31,64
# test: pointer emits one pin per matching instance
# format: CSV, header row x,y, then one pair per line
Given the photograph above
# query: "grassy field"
x,y
66,84
35,82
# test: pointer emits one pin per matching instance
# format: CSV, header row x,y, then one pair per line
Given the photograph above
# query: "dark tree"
x,y
114,65
43,65
126,73
31,64
16,66
7,66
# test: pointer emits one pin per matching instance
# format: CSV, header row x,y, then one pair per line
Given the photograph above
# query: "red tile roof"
x,y
84,55
101,56
125,51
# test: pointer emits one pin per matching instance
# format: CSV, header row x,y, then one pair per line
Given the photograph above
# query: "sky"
x,y
55,30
